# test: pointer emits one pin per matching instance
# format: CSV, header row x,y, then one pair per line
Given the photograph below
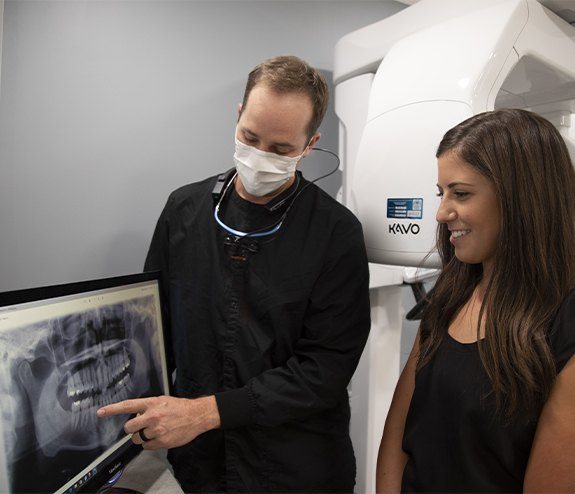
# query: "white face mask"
x,y
260,172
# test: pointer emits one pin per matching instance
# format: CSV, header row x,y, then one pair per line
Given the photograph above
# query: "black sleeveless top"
x,y
454,439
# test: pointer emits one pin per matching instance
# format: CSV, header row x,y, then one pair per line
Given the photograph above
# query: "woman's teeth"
x,y
459,233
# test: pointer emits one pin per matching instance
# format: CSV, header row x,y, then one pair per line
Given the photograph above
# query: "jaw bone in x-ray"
x,y
76,364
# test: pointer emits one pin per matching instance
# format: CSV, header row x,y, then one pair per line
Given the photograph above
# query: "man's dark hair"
x,y
289,74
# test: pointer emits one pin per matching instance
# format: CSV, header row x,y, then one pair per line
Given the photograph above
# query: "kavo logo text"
x,y
402,229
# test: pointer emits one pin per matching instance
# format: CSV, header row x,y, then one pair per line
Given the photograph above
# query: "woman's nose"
x,y
445,212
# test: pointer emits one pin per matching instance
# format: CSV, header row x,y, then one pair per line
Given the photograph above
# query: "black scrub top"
x,y
455,439
274,327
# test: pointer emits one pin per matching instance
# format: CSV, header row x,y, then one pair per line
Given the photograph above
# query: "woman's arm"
x,y
391,459
551,466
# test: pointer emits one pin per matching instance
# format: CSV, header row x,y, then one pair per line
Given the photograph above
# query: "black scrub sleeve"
x,y
336,327
235,407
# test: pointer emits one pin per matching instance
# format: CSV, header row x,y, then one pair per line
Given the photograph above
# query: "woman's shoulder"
x,y
562,334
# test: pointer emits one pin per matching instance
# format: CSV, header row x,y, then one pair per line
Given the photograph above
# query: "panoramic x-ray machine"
x,y
400,84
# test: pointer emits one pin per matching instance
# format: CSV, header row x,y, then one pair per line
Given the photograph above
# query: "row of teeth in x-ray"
x,y
82,416
115,393
95,379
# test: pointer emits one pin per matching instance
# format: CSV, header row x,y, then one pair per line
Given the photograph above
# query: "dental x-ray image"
x,y
55,374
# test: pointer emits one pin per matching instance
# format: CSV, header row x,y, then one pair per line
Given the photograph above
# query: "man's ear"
x,y
312,142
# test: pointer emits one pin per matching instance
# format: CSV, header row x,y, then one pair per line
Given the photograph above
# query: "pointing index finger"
x,y
123,407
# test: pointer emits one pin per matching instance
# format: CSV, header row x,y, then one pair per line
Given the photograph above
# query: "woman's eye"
x,y
458,194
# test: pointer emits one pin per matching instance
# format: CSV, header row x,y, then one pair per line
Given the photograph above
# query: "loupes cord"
x,y
330,172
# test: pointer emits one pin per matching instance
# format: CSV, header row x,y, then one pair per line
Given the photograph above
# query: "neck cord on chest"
x,y
262,232
274,227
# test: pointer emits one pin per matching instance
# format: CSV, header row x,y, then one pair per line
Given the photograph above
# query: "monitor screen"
x,y
65,351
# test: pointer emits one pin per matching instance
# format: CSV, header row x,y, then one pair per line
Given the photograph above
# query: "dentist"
x,y
265,281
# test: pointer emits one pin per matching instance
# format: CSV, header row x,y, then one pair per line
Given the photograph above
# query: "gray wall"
x,y
1,28
107,106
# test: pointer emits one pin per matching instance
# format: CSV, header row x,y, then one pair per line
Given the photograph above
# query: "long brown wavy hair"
x,y
526,160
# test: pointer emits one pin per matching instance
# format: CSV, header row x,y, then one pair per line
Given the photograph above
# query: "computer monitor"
x,y
65,351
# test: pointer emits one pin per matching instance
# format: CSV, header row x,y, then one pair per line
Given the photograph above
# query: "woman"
x,y
486,401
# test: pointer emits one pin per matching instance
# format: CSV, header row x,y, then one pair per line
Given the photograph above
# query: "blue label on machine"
x,y
405,208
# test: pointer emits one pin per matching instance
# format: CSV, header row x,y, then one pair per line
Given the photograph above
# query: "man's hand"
x,y
167,422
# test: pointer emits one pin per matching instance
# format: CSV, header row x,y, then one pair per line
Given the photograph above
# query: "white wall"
x,y
107,106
